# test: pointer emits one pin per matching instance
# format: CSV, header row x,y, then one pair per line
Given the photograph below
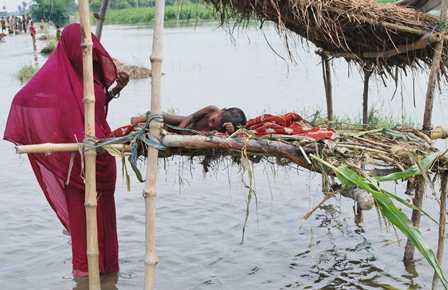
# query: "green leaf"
x,y
388,209
425,164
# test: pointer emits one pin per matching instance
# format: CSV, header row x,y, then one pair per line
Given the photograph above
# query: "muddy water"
x,y
200,217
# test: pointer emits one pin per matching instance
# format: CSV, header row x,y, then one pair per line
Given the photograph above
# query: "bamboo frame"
x,y
102,17
420,186
442,227
365,97
149,192
65,147
90,155
422,43
326,73
435,68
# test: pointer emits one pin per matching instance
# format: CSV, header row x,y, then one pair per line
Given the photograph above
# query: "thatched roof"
x,y
382,36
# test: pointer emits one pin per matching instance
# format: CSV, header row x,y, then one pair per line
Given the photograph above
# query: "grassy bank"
x,y
181,11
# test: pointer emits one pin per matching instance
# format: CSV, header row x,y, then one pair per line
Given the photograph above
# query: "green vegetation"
x,y
26,73
182,11
123,4
57,11
51,45
375,121
385,202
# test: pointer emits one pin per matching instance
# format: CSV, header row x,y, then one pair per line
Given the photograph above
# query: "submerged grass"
x,y
26,73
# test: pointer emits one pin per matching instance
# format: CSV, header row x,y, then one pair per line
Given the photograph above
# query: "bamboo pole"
x,y
442,225
435,67
326,73
67,147
150,193
416,217
101,18
90,155
365,97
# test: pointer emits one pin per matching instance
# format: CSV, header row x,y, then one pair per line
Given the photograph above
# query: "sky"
x,y
11,5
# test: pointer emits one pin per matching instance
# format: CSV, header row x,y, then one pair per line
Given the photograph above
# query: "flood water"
x,y
200,216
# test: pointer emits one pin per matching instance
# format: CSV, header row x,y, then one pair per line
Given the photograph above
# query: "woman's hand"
x,y
122,80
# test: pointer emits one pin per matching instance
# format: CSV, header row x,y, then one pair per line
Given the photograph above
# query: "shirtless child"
x,y
208,119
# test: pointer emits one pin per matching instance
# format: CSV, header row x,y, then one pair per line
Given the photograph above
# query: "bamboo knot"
x,y
152,260
89,101
154,58
149,193
87,44
90,204
92,253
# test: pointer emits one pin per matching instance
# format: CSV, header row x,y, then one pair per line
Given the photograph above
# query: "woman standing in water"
x,y
50,109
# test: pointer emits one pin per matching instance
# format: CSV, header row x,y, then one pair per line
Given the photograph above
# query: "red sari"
x,y
49,108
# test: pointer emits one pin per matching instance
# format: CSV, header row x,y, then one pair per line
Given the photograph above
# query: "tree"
x,y
57,11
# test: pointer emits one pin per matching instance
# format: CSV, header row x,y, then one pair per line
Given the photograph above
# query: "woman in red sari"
x,y
49,108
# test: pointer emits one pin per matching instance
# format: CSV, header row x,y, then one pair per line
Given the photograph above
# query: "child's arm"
x,y
197,116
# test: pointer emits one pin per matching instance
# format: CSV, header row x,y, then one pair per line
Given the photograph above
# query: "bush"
x,y
184,11
26,73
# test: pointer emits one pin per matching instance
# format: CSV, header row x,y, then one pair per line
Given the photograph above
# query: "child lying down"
x,y
208,119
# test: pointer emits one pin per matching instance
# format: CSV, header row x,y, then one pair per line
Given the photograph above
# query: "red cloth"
x,y
33,30
287,124
122,131
49,108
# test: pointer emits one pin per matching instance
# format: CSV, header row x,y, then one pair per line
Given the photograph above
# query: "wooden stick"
x,y
149,193
416,216
53,148
102,17
365,97
442,225
422,43
326,73
435,67
90,155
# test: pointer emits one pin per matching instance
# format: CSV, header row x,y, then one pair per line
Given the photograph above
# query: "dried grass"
x,y
381,36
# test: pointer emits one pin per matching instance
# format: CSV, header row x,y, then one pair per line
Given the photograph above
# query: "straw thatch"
x,y
382,36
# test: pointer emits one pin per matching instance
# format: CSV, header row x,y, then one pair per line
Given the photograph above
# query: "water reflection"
x,y
108,282
199,227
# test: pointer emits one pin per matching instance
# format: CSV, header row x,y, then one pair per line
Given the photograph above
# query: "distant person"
x,y
58,33
33,33
50,109
420,5
210,118
24,24
3,24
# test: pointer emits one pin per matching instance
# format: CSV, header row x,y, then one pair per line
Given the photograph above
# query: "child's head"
x,y
233,115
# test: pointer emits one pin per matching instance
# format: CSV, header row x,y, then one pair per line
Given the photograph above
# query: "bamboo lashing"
x,y
90,154
149,192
